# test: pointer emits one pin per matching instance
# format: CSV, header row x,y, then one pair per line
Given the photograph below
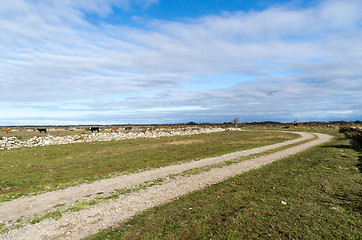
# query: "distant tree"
x,y
236,121
296,122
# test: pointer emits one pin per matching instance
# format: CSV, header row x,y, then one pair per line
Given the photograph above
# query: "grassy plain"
x,y
315,194
33,170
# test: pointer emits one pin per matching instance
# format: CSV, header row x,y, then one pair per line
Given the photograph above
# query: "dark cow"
x,y
93,129
128,129
42,130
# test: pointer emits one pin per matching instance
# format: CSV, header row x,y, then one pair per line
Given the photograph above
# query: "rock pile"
x,y
14,142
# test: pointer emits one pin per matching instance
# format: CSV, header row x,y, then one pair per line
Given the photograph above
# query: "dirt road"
x,y
76,225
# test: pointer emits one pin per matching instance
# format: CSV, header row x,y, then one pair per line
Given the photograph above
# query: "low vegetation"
x,y
352,133
33,170
312,195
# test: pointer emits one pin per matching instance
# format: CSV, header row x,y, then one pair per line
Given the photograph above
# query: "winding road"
x,y
79,224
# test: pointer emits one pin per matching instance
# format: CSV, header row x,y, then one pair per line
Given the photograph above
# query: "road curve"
x,y
76,225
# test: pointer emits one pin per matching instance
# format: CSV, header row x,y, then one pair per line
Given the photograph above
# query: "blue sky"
x,y
158,61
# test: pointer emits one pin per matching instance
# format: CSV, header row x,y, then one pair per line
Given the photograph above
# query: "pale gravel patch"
x,y
76,225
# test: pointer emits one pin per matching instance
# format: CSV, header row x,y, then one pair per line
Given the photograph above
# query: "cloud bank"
x,y
282,63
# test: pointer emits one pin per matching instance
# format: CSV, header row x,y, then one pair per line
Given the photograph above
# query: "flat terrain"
x,y
251,205
32,170
315,194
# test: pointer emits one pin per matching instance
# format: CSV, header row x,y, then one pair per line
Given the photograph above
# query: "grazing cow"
x,y
128,128
93,129
42,130
7,130
115,129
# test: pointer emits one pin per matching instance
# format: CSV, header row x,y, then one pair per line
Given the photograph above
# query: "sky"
x,y
76,62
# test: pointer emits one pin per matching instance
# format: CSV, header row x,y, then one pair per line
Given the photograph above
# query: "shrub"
x,y
357,135
352,133
345,129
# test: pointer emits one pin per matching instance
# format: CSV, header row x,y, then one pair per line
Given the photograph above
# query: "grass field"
x,y
33,170
313,195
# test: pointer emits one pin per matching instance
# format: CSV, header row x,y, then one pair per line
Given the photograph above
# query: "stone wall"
x,y
14,142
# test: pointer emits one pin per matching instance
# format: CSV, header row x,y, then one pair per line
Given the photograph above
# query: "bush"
x,y
357,135
352,133
345,129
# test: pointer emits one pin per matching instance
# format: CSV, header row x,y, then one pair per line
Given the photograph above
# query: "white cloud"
x,y
301,61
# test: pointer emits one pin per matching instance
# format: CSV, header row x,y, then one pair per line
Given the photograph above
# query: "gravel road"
x,y
76,225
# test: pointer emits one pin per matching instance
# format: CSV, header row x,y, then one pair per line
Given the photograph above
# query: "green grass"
x,y
80,205
33,170
321,188
54,215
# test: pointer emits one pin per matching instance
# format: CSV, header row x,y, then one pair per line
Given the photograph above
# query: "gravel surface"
x,y
76,225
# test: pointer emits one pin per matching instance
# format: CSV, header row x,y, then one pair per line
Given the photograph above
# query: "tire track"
x,y
76,225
